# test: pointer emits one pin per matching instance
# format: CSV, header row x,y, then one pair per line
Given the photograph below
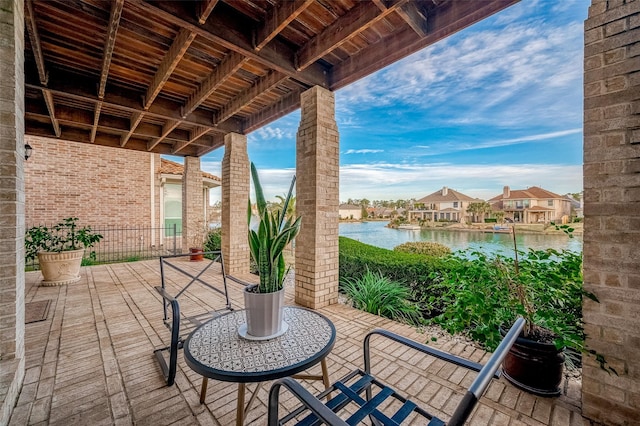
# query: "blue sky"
x,y
499,103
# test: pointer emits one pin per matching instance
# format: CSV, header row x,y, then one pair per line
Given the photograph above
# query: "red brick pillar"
x,y
317,199
193,220
12,360
612,210
235,198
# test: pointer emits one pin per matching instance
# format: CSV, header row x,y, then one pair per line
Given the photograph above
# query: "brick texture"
x,y
317,199
12,287
99,185
235,198
612,210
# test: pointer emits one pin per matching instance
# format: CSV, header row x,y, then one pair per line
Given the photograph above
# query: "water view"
x,y
377,234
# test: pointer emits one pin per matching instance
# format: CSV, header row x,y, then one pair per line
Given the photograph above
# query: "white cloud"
x,y
363,151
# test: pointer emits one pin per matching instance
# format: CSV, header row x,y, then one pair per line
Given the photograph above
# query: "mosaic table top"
x,y
215,349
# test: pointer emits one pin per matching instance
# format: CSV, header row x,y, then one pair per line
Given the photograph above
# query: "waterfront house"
x,y
350,211
532,205
446,205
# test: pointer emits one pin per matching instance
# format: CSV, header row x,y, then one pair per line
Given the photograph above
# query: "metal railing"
x,y
127,244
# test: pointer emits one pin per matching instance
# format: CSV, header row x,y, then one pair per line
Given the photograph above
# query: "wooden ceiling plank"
x,y
284,106
96,119
357,19
278,18
34,39
449,18
48,99
415,17
217,29
225,69
177,50
109,43
205,7
83,89
245,97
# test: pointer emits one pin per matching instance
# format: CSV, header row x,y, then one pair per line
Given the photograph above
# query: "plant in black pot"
x,y
59,249
479,294
264,302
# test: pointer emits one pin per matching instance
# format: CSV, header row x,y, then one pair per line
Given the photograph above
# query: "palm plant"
x,y
275,231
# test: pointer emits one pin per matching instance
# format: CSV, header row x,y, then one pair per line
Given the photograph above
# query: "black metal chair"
x,y
380,403
179,324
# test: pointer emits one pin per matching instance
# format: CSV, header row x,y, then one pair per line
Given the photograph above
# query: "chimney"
x,y
445,191
506,192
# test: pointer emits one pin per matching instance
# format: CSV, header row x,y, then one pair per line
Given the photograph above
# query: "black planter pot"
x,y
534,367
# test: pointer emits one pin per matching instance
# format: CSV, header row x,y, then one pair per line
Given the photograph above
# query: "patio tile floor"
x,y
91,362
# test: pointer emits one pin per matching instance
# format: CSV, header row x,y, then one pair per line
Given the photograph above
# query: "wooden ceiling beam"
x,y
277,19
34,39
447,19
96,119
167,128
194,134
48,99
217,141
109,43
415,16
136,117
171,59
83,89
284,106
263,85
357,19
227,32
205,7
225,70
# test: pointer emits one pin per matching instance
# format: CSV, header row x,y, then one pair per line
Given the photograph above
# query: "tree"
x,y
479,209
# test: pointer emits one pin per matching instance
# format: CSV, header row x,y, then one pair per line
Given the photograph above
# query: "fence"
x,y
121,244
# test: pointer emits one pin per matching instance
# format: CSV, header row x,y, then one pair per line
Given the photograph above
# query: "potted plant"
x,y
59,250
479,294
196,241
264,302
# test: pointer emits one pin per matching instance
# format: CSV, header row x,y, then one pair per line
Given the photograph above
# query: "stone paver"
x,y
91,361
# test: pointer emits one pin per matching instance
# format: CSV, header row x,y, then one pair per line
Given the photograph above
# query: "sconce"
x,y
27,151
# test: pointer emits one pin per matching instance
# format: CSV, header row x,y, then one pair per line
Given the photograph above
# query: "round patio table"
x,y
216,350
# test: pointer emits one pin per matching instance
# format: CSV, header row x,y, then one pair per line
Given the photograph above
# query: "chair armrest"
x,y
305,397
418,347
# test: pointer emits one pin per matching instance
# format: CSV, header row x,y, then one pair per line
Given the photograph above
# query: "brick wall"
x,y
612,209
12,328
99,185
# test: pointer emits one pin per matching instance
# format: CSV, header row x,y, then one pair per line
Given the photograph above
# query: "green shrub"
x,y
414,270
424,247
214,240
378,295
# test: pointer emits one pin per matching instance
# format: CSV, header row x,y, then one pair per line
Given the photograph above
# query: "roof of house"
x,y
172,168
349,207
445,194
532,192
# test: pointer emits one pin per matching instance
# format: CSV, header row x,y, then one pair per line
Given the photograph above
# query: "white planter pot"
x,y
60,268
264,312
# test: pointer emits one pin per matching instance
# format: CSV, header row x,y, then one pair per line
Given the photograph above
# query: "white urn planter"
x,y
60,268
264,313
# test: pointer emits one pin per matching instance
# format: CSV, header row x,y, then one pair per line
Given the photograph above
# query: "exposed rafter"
x,y
284,106
34,39
278,18
109,43
194,134
264,84
168,127
136,117
415,17
205,7
96,120
225,69
362,16
48,99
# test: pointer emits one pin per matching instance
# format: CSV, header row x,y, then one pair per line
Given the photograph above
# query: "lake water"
x,y
377,234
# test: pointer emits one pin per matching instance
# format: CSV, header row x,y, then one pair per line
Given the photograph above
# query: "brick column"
x,y
12,361
612,210
317,199
192,204
235,198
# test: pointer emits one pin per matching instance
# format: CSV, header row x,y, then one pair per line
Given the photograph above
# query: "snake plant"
x,y
275,231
